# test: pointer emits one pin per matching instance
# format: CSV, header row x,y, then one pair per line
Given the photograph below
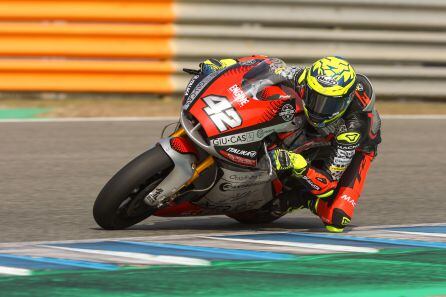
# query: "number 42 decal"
x,y
221,112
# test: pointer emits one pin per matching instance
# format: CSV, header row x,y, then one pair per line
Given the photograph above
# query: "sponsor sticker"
x,y
311,183
287,112
239,138
198,88
250,154
349,200
237,186
242,177
238,159
326,80
247,137
240,97
349,137
189,86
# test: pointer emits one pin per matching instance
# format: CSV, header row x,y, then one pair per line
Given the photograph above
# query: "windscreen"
x,y
262,76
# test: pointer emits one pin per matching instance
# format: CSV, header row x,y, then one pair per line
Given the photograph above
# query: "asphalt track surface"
x,y
51,172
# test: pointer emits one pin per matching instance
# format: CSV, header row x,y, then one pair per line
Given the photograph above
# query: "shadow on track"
x,y
222,224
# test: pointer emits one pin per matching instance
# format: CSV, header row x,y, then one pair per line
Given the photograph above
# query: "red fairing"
x,y
226,95
178,210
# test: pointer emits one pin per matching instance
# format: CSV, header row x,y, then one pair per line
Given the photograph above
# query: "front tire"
x,y
120,204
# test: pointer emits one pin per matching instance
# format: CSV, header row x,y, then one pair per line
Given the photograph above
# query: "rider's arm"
x,y
359,132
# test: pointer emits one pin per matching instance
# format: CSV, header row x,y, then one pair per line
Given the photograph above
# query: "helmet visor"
x,y
322,107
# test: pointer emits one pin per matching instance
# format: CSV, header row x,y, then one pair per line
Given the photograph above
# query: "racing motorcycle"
x,y
216,162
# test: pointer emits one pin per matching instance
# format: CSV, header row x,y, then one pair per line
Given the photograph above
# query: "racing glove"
x,y
283,160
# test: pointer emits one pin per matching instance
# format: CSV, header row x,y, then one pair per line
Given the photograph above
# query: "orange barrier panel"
x,y
85,66
133,11
125,45
86,29
84,82
86,47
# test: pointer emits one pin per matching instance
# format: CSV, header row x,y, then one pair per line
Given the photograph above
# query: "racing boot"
x,y
339,219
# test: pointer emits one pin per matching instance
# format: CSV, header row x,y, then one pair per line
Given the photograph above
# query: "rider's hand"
x,y
284,160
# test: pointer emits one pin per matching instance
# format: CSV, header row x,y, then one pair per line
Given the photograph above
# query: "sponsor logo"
x,y
247,137
248,62
287,112
326,80
155,194
198,88
335,168
251,154
349,200
189,86
322,180
311,183
239,138
342,161
244,177
349,137
345,221
238,159
345,154
237,187
239,95
260,133
347,147
152,197
360,87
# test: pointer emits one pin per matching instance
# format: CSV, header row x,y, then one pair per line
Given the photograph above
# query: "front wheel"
x,y
120,204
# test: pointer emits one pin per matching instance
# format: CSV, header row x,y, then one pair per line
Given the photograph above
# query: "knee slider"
x,y
339,218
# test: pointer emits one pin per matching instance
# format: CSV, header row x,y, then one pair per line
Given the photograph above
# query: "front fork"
x,y
184,173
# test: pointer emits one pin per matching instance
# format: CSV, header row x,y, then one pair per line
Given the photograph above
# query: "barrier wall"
x,y
141,45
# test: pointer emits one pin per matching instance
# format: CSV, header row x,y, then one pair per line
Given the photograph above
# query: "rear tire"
x,y
120,204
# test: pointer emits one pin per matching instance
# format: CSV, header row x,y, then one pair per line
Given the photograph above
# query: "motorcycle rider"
x,y
339,105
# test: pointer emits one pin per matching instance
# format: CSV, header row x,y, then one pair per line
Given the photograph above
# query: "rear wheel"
x,y
120,204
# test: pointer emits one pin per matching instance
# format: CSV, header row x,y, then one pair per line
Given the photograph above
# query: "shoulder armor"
x,y
365,92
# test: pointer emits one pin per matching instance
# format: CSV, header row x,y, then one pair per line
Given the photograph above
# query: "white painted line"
x,y
14,271
171,118
97,119
317,246
419,233
141,258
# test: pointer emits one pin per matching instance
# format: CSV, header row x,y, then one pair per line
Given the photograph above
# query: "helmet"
x,y
329,89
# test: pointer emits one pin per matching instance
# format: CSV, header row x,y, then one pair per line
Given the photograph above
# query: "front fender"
x,y
184,168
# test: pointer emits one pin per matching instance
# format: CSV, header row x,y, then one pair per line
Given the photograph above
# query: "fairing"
x,y
230,112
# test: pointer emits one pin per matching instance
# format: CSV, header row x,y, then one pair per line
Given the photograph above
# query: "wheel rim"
x,y
134,205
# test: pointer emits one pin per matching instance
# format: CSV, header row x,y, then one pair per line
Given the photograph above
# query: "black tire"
x,y
120,203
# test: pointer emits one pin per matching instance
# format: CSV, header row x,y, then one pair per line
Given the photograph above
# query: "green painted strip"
x,y
410,273
21,113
